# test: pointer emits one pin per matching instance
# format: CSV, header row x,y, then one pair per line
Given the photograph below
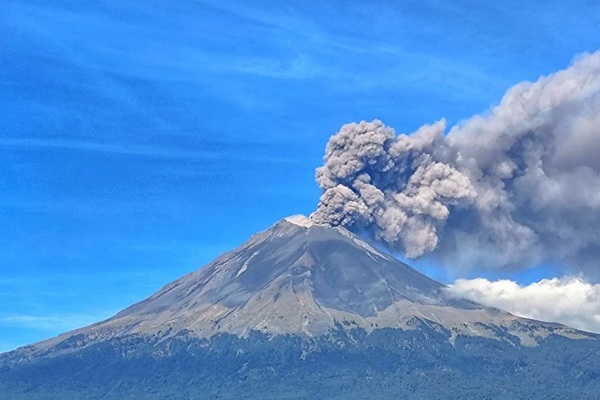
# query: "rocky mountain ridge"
x,y
306,311
298,278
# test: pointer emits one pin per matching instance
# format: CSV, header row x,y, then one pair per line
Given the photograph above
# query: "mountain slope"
x,y
300,278
306,311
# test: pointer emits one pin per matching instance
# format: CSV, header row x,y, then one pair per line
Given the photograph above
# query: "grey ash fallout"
x,y
516,186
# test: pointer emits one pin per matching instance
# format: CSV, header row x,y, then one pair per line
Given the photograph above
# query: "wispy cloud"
x,y
56,323
23,329
142,151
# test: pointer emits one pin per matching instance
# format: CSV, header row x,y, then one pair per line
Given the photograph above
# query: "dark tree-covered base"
x,y
385,364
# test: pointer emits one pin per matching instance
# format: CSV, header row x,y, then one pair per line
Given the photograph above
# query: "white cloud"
x,y
569,300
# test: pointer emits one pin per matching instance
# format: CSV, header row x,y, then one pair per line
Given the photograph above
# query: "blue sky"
x,y
137,142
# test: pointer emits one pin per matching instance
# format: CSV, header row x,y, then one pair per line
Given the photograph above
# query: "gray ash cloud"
x,y
514,187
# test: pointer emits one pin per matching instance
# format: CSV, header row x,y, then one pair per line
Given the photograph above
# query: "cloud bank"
x,y
570,301
514,187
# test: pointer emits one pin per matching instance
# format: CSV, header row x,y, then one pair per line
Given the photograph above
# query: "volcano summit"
x,y
303,310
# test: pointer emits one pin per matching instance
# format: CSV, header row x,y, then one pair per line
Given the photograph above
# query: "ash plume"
x,y
515,187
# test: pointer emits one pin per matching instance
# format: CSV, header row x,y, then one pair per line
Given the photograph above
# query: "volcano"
x,y
306,311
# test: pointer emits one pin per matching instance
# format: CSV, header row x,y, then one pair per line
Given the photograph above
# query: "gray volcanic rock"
x,y
306,311
303,279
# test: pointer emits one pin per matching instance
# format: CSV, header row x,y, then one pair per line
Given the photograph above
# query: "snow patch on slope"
x,y
300,220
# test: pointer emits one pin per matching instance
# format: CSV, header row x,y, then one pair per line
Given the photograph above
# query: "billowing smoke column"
x,y
512,188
